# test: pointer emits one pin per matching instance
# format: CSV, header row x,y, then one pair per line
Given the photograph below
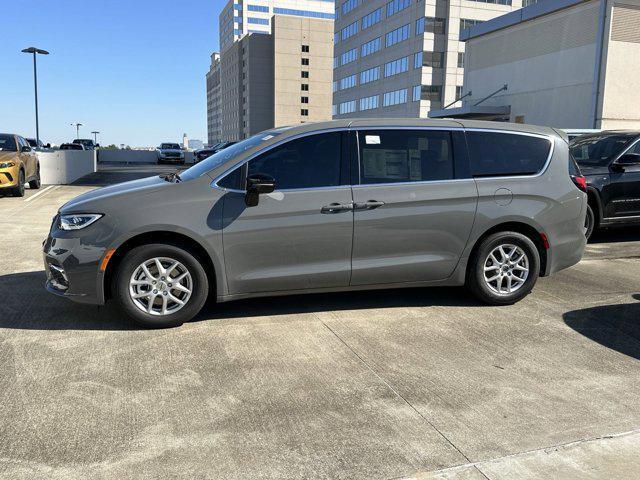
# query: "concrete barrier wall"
x,y
62,167
134,156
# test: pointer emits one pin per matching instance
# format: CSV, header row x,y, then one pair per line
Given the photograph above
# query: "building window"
x,y
304,112
304,87
369,103
395,6
430,25
370,75
396,66
497,2
349,31
370,47
394,98
371,18
258,21
398,35
417,60
305,48
349,56
336,63
303,13
304,74
433,59
335,86
347,107
334,110
432,93
460,59
257,8
305,61
348,6
458,92
304,99
416,93
468,23
348,82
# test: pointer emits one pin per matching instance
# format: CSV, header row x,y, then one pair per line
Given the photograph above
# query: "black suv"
x,y
610,161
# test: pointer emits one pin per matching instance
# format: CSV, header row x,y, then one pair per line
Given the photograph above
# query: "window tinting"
x,y
503,154
395,156
307,162
233,180
598,150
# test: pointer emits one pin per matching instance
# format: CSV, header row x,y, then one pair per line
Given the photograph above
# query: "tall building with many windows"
x,y
240,17
283,78
402,58
213,100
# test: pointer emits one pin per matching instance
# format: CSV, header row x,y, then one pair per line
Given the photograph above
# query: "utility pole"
x,y
95,137
77,125
35,51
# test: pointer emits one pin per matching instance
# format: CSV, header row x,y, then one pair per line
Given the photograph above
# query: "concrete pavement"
x,y
386,384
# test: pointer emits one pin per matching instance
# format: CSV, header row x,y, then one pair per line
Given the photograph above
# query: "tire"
x,y
18,190
589,222
35,183
486,289
130,269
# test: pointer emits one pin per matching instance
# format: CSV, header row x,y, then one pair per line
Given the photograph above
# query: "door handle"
x,y
368,205
336,207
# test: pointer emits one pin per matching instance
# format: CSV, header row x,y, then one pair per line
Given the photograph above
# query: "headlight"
x,y
7,164
76,222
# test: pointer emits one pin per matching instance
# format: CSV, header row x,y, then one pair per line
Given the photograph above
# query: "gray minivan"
x,y
335,206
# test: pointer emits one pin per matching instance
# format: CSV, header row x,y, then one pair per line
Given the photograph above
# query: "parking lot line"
x,y
42,192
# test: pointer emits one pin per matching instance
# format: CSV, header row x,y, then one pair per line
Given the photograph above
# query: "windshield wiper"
x,y
172,177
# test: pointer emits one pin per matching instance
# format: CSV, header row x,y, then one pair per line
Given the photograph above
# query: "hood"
x,y
173,150
7,156
94,200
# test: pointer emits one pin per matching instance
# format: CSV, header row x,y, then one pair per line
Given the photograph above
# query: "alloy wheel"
x,y
506,269
160,286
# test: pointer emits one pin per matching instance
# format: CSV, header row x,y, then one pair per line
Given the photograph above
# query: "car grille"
x,y
172,155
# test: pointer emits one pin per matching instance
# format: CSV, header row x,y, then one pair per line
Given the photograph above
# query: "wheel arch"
x,y
593,198
523,228
177,239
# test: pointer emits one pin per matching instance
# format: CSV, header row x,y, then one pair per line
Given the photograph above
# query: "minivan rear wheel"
x,y
504,268
160,285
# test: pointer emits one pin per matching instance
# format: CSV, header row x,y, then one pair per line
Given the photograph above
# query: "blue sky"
x,y
133,70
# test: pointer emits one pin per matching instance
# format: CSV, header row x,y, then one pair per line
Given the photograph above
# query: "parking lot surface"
x,y
416,383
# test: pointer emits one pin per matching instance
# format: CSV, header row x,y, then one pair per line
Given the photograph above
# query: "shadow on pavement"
x,y
616,234
27,305
612,326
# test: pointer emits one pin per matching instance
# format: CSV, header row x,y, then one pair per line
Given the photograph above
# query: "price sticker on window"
x,y
372,139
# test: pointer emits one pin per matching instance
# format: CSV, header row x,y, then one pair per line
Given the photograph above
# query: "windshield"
x,y
169,146
8,143
599,150
223,156
32,142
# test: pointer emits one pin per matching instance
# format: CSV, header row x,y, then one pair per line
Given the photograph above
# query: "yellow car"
x,y
18,165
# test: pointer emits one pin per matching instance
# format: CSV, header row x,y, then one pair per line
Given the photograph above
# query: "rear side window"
x,y
307,162
494,154
398,156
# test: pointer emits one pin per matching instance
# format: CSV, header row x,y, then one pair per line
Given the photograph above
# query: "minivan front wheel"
x,y
161,285
504,268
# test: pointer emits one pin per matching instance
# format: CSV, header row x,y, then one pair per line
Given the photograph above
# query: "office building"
x,y
562,63
283,78
213,100
402,58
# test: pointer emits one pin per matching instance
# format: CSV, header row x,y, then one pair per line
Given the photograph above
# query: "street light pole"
x,y
77,125
95,137
36,51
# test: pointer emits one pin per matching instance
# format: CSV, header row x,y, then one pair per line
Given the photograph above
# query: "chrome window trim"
x,y
549,138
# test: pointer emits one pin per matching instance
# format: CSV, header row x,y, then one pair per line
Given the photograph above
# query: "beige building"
x,y
283,78
562,63
214,135
402,58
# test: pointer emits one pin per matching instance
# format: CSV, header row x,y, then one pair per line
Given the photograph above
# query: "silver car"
x,y
336,206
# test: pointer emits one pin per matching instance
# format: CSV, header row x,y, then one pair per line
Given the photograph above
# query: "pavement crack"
x,y
395,392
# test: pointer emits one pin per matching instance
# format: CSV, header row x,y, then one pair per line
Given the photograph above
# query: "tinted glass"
x,y
307,162
598,150
392,156
501,154
233,180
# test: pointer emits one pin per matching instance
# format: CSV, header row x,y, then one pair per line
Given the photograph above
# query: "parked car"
x,y
573,133
35,144
170,153
203,153
87,143
18,165
335,206
71,146
610,161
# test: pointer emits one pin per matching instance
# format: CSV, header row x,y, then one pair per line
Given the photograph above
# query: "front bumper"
x,y
72,260
9,177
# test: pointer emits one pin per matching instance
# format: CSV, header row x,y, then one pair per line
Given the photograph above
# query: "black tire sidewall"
x,y
145,252
592,221
35,183
19,189
477,283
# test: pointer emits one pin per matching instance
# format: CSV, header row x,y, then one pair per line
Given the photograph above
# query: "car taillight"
x,y
580,182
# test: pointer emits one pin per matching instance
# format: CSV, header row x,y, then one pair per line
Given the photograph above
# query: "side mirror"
x,y
257,184
25,149
626,160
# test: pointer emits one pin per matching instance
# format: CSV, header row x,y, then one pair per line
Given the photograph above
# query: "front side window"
x,y
599,150
398,156
307,162
494,154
